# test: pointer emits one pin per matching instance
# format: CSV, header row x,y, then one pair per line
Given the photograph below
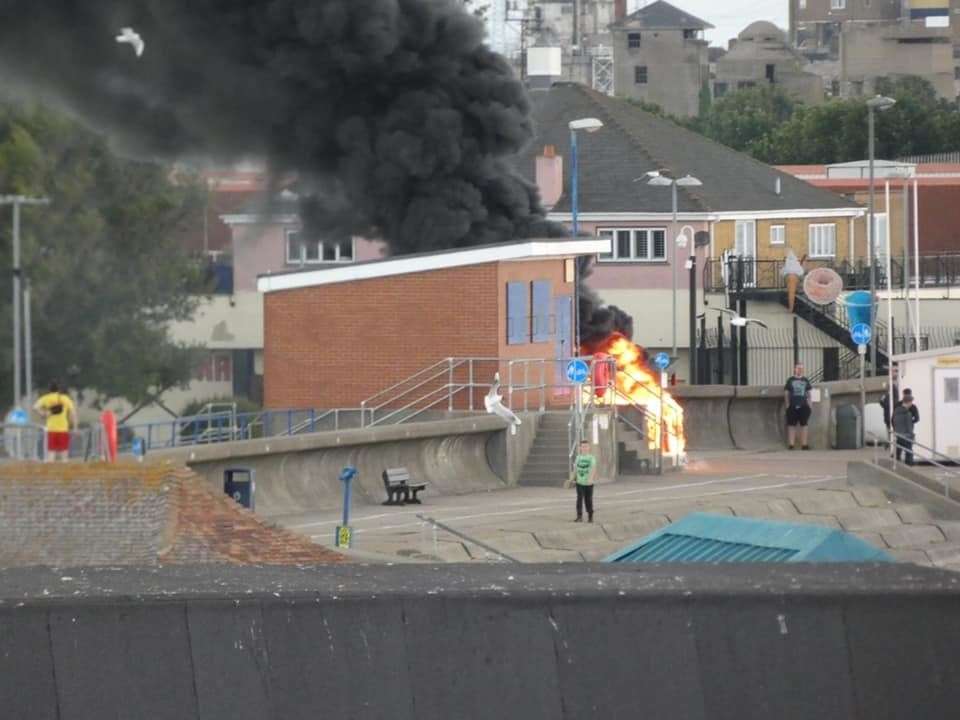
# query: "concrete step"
x,y
550,449
547,479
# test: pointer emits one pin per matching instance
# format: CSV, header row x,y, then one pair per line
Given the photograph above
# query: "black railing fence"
x,y
738,274
771,353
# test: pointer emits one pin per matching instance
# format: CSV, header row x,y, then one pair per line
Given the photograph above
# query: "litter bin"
x,y
848,427
239,484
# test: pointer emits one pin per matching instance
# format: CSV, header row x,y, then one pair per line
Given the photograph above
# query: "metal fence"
x,y
771,354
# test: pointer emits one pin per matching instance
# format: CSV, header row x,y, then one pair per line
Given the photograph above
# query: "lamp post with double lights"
x,y
658,179
878,103
590,125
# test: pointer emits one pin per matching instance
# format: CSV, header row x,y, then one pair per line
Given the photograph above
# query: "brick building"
x,y
334,337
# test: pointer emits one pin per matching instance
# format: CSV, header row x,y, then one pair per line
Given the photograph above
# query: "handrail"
x,y
915,444
412,404
443,361
448,369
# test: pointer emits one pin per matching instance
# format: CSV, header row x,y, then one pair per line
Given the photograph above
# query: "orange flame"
x,y
637,385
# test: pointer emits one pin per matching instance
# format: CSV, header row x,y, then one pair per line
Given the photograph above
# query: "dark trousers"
x,y
906,447
584,495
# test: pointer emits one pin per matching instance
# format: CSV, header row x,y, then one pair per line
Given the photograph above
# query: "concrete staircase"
x,y
635,455
548,461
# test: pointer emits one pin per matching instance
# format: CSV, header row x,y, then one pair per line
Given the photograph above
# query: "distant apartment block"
x,y
761,55
660,57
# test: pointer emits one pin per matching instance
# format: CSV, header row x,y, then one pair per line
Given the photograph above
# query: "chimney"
x,y
550,176
619,10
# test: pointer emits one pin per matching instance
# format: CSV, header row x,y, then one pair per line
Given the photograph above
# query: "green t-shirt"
x,y
583,468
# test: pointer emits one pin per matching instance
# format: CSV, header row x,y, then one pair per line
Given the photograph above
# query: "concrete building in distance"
x,y
761,55
851,43
661,57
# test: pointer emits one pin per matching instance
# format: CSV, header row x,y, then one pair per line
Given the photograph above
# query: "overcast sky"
x,y
730,16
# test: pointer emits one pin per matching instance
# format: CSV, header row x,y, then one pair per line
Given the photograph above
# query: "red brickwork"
x,y
335,345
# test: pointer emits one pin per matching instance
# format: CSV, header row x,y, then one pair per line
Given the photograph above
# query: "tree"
x,y
106,271
745,118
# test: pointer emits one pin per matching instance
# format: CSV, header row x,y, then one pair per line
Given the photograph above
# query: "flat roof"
x,y
534,249
934,352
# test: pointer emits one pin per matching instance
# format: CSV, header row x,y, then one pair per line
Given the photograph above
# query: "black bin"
x,y
239,484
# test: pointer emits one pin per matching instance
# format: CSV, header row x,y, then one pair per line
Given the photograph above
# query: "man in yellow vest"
x,y
61,415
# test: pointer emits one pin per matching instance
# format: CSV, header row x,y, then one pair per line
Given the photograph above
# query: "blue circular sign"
x,y
18,416
861,334
577,371
661,360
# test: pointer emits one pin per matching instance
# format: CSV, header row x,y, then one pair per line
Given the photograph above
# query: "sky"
x,y
732,16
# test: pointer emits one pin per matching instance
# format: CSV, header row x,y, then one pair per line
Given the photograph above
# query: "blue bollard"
x,y
344,533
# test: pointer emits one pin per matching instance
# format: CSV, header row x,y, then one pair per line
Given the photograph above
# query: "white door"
x,y
946,411
745,246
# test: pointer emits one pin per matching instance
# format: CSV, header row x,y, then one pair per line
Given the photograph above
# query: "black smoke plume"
x,y
396,118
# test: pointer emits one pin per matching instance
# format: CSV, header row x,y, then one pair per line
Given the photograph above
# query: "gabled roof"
x,y
662,16
437,260
633,142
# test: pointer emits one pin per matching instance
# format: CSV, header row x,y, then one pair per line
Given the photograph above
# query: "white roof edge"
x,y
934,352
259,219
531,250
798,214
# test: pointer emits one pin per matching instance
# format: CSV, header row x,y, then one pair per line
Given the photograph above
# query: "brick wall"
x,y
335,345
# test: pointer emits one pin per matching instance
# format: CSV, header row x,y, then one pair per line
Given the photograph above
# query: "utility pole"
x,y
17,201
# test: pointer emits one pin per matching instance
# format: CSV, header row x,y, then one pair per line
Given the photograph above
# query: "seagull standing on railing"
x,y
493,402
131,36
738,321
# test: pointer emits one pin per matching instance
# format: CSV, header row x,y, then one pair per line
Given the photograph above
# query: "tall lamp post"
x,y
590,125
17,201
660,180
874,104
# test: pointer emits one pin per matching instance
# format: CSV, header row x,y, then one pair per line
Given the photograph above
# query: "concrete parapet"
x,y
534,642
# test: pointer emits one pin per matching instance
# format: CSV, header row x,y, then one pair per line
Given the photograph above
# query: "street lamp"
x,y
655,178
874,104
590,125
16,201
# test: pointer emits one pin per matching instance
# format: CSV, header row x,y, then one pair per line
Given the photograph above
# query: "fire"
x,y
636,385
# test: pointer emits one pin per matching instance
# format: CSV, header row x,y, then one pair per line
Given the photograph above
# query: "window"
x,y
312,252
823,241
803,4
541,310
689,34
633,40
518,321
778,234
771,73
951,390
745,238
838,4
640,74
719,89
646,245
880,235
745,84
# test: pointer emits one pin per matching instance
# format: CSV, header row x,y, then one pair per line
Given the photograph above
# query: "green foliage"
x,y
106,270
767,124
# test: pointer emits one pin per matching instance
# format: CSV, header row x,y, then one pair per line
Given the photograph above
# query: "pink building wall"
x,y
262,248
644,275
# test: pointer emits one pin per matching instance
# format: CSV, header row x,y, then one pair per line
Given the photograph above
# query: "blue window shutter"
x,y
541,311
518,321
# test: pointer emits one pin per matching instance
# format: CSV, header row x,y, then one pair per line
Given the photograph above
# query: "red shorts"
x,y
58,441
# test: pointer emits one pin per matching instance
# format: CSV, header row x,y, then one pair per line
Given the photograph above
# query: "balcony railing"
x,y
743,274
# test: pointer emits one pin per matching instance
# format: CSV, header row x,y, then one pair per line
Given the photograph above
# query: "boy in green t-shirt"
x,y
585,472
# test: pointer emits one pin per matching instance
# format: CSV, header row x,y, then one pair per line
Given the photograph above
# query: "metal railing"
x,y
736,274
893,445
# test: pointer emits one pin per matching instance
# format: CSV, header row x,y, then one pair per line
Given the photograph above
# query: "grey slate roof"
x,y
663,16
633,142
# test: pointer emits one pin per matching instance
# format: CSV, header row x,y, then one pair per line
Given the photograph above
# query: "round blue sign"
x,y
18,416
661,360
861,334
577,371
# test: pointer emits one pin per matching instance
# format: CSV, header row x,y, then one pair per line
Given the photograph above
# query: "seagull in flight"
x,y
493,402
738,321
131,36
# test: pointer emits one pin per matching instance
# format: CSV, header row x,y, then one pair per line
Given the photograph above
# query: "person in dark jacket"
x,y
891,398
904,420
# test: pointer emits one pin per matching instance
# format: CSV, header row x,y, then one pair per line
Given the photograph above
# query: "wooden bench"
x,y
400,487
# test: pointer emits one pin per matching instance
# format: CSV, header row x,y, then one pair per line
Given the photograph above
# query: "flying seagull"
x,y
129,35
493,402
738,321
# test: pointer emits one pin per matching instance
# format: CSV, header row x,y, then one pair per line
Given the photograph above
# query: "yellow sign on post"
x,y
344,536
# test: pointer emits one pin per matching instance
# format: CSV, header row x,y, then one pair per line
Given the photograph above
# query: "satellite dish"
x,y
822,286
701,239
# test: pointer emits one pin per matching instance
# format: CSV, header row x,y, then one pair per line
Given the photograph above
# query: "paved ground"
x,y
536,524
